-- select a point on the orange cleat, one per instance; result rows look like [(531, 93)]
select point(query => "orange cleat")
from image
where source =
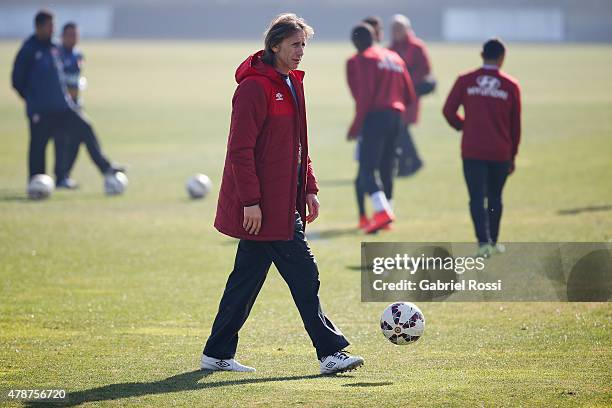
[(379, 221), (363, 221)]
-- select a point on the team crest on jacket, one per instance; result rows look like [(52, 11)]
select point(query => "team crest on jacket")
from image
[(387, 63), (488, 82), (279, 96), (488, 86)]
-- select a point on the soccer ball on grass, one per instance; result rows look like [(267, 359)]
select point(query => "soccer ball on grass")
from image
[(402, 323), (40, 187), (198, 186), (115, 183)]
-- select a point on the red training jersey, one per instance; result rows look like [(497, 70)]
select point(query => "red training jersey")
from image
[(491, 102), (378, 80), (414, 53)]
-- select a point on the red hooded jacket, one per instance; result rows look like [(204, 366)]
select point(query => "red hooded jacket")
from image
[(378, 80), (266, 131), (414, 53)]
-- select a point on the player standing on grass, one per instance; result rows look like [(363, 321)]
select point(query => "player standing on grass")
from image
[(268, 192), (491, 128), (414, 53), (38, 77), (72, 60), (382, 90), (377, 26)]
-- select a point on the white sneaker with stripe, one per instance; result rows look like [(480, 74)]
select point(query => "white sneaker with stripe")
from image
[(340, 362), (215, 364)]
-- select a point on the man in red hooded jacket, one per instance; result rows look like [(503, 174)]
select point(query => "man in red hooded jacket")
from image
[(414, 53), (268, 187)]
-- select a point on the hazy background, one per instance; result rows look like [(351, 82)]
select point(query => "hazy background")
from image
[(439, 20), (113, 298)]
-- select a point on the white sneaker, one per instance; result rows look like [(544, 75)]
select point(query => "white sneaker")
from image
[(210, 363), (498, 249), (340, 362), (484, 251)]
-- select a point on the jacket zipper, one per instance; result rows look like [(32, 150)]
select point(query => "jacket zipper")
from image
[(293, 196)]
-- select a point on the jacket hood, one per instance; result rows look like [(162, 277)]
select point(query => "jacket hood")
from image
[(409, 38), (254, 66)]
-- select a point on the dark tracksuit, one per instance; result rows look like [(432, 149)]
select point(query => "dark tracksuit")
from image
[(39, 79), (409, 160), (296, 264), (376, 150), (485, 180), (71, 60)]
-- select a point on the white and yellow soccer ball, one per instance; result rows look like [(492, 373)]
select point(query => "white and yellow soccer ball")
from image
[(198, 186), (40, 187), (402, 323), (115, 183)]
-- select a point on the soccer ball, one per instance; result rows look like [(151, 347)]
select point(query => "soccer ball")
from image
[(41, 186), (115, 184), (198, 186), (402, 323)]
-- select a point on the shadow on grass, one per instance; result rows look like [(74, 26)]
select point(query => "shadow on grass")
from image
[(369, 384), (181, 382), (17, 196), (332, 233), (313, 235), (575, 211), (13, 195)]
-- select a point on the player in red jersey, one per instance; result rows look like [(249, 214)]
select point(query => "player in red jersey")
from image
[(414, 53), (491, 127), (377, 28), (382, 89)]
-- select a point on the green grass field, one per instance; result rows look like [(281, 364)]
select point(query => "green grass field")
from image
[(113, 298)]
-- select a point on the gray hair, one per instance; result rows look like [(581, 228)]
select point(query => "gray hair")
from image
[(283, 26), (401, 19)]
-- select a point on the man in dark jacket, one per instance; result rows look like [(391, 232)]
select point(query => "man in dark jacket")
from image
[(268, 187), (38, 78)]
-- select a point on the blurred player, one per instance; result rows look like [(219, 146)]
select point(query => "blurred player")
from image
[(268, 187), (414, 53), (38, 78), (491, 128), (377, 26), (72, 59), (382, 89)]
